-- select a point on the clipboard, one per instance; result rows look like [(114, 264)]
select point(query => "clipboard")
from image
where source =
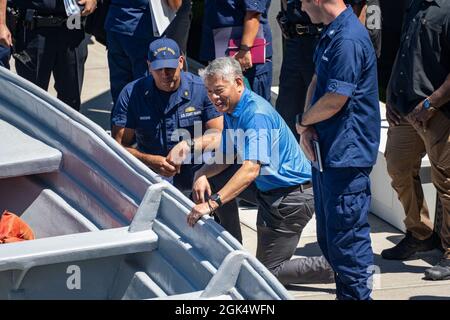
[(227, 39), (162, 16), (72, 7), (258, 50), (318, 163)]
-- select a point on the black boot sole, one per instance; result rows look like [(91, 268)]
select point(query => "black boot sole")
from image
[(412, 255), (437, 279)]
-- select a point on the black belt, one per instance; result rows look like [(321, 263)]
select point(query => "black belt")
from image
[(302, 30), (48, 22), (33, 19), (290, 189)]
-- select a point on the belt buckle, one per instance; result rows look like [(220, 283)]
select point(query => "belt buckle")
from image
[(301, 30)]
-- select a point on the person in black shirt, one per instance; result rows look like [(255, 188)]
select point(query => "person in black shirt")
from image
[(418, 112)]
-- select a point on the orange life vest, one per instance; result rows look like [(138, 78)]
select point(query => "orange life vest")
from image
[(13, 229)]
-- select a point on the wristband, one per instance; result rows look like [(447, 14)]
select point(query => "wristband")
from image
[(244, 47)]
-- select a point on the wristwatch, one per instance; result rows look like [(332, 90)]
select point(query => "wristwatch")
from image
[(216, 197), (298, 120), (427, 105), (244, 47)]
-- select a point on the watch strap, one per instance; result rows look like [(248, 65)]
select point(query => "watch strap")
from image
[(244, 47), (216, 197)]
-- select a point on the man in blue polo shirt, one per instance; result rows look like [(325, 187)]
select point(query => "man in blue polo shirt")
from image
[(273, 173), (342, 114), (250, 15), (162, 108)]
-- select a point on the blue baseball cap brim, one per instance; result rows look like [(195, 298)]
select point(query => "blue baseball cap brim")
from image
[(164, 63)]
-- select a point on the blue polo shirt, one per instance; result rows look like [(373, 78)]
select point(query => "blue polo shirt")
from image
[(130, 17), (230, 13), (155, 115), (255, 131), (346, 64)]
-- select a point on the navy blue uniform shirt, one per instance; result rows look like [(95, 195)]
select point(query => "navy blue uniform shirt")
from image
[(130, 17), (346, 64), (229, 13), (144, 108)]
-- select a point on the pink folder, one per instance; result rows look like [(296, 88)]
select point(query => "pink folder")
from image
[(258, 50)]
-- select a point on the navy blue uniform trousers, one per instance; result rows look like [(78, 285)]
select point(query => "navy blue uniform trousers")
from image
[(5, 54), (260, 79), (342, 201), (56, 50), (127, 60), (296, 73)]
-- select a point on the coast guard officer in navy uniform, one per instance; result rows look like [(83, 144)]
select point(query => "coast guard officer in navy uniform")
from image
[(343, 115), (156, 108)]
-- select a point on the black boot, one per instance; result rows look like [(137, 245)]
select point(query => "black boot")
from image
[(305, 270), (441, 271), (438, 242), (407, 247)]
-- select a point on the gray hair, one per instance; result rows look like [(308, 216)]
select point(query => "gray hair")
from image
[(227, 68)]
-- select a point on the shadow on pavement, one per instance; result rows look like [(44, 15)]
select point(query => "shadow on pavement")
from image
[(429, 298), (304, 288), (98, 109)]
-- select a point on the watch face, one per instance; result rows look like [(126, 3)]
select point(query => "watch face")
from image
[(215, 197), (426, 104)]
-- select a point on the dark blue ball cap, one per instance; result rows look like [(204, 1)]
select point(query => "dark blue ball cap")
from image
[(163, 53)]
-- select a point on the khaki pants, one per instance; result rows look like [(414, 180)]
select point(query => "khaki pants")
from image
[(406, 146)]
